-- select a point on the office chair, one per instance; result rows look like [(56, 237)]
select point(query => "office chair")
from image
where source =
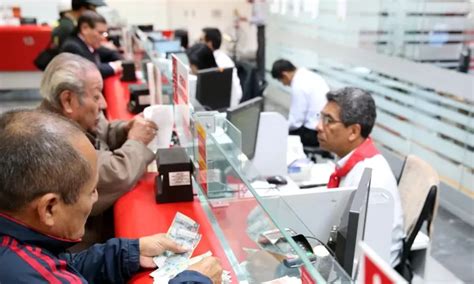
[(252, 86), (418, 187)]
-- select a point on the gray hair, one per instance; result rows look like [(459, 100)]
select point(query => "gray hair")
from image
[(357, 107), (66, 71), (37, 158)]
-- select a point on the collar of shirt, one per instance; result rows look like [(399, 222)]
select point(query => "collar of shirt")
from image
[(341, 162), (91, 49), (23, 233)]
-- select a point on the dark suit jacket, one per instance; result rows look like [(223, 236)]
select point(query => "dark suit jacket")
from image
[(101, 56)]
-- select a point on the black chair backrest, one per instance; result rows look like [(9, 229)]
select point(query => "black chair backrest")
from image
[(404, 267), (425, 215), (251, 85)]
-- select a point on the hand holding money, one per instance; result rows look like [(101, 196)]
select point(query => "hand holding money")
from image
[(156, 245), (210, 267)]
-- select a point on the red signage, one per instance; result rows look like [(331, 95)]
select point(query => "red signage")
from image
[(306, 277), (375, 270)]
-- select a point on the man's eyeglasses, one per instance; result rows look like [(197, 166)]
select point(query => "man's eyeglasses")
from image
[(327, 119)]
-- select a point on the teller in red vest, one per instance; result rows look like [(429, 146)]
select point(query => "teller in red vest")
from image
[(345, 124)]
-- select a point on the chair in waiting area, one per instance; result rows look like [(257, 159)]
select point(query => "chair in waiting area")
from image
[(418, 186)]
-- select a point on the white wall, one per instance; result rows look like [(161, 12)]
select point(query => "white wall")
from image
[(42, 10), (192, 15)]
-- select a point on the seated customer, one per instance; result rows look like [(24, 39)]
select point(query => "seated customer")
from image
[(201, 57), (91, 32), (48, 178), (212, 37), (72, 87), (308, 91), (344, 128)]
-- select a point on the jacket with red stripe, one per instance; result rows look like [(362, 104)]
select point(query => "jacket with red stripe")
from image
[(27, 256)]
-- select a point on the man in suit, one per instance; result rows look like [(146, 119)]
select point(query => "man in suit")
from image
[(91, 32)]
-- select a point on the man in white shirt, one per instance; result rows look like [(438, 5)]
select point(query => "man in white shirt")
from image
[(212, 37), (308, 91), (345, 124)]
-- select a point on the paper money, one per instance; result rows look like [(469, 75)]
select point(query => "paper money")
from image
[(184, 231), (164, 274)]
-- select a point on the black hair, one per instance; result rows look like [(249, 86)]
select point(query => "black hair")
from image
[(214, 36), (201, 56), (280, 66), (357, 107), (90, 18)]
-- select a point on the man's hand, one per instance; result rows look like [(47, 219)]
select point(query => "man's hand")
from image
[(142, 130), (210, 267), (117, 66), (155, 245)]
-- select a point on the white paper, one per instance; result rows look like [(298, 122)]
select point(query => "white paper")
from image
[(163, 116)]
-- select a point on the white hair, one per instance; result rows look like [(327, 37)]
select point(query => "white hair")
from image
[(65, 72)]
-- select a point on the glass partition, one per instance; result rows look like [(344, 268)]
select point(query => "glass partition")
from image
[(244, 213)]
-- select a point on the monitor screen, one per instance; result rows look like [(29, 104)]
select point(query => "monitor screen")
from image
[(246, 118), (166, 46), (352, 228), (213, 88)]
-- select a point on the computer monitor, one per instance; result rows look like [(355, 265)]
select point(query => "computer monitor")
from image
[(213, 88), (246, 118), (163, 45), (352, 227)]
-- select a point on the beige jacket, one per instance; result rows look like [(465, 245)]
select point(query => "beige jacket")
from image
[(121, 162)]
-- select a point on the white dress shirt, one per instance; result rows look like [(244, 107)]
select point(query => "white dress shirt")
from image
[(308, 97), (224, 61), (382, 177)]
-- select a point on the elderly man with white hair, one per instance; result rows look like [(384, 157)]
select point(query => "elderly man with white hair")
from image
[(72, 87)]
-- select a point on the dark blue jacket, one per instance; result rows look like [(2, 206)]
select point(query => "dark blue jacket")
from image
[(100, 57), (27, 256)]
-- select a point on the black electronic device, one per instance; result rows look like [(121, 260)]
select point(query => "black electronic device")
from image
[(213, 88), (139, 97), (352, 228), (246, 117), (305, 246), (277, 180), (27, 21), (146, 28), (173, 183), (128, 74)]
